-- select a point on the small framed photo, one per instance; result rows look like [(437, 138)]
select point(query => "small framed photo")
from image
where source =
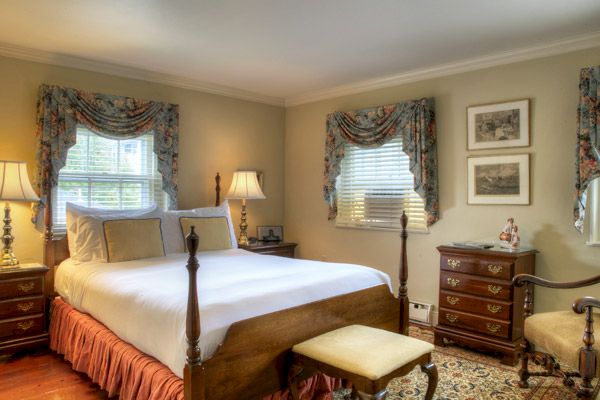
[(502, 179), (269, 233), (500, 125)]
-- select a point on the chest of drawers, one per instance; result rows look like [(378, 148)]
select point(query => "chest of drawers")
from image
[(282, 249), (478, 307), (22, 308)]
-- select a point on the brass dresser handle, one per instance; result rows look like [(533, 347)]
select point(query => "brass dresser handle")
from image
[(25, 325), (494, 289), (453, 282), (452, 318), (494, 328), (453, 263), (494, 308), (452, 300), (495, 269), (25, 306), (26, 287)]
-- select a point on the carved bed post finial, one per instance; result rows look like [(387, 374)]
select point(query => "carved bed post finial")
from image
[(218, 190), (403, 277)]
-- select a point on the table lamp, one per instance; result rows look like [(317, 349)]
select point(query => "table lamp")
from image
[(14, 186), (245, 187)]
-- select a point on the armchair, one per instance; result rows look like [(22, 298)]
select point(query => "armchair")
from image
[(563, 336)]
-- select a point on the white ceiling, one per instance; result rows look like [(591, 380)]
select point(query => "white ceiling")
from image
[(286, 49)]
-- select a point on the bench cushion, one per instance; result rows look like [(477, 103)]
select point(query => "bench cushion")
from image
[(362, 350)]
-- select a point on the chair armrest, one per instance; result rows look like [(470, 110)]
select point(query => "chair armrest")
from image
[(580, 304), (522, 279)]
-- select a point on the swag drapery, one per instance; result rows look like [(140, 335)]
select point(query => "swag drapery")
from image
[(373, 127), (587, 166), (61, 109)]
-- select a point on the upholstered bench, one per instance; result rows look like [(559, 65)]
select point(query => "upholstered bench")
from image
[(368, 357)]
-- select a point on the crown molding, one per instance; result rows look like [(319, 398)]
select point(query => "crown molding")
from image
[(523, 54), (40, 56)]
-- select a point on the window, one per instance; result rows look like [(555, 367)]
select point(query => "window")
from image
[(594, 213), (107, 173), (374, 187)]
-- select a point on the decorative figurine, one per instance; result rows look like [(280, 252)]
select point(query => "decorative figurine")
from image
[(515, 239), (509, 237), (506, 233)]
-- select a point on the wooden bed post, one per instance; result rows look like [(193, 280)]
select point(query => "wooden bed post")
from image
[(218, 190), (193, 373), (403, 276)]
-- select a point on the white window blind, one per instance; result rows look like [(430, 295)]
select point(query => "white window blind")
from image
[(374, 187), (594, 212), (110, 174)]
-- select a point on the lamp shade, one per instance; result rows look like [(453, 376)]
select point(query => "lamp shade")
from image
[(14, 182), (245, 186)]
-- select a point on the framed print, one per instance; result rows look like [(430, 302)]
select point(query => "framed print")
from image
[(502, 179), (269, 233), (500, 125)]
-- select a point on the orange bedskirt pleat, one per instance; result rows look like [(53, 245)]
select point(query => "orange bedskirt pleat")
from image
[(121, 369)]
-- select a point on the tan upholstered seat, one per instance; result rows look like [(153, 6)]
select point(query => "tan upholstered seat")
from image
[(369, 352), (566, 338)]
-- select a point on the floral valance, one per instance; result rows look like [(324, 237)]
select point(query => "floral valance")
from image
[(587, 166), (373, 127), (61, 109)]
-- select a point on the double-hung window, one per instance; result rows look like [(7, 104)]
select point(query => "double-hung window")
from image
[(375, 186), (105, 173), (594, 213)]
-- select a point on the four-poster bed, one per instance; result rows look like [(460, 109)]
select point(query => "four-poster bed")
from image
[(251, 362)]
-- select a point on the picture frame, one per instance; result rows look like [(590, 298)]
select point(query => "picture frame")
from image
[(498, 125), (498, 179), (269, 233)]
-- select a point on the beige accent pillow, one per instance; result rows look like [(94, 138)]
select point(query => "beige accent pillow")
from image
[(213, 232), (132, 239)]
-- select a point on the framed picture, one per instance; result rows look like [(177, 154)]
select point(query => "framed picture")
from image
[(502, 179), (500, 125), (269, 233)]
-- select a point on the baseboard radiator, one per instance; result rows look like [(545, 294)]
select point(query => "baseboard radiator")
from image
[(420, 312)]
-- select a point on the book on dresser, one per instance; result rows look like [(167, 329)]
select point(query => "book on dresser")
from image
[(478, 306)]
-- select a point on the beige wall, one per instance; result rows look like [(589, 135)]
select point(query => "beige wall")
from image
[(552, 86), (216, 134)]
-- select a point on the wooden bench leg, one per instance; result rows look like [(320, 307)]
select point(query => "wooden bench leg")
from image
[(432, 374), (364, 396), (293, 378)]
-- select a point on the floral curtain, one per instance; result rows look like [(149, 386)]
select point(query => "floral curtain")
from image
[(587, 166), (61, 109), (373, 127)]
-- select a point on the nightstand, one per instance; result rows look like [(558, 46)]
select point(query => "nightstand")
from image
[(283, 249), (22, 307)]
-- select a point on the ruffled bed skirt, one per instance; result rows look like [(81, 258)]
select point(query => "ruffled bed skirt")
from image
[(121, 369)]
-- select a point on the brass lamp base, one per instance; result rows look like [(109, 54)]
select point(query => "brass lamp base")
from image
[(243, 239), (8, 257)]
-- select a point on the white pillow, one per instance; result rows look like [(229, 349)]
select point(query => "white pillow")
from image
[(90, 243), (74, 211), (174, 238)]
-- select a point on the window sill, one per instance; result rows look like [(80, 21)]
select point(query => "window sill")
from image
[(375, 228), (593, 244)]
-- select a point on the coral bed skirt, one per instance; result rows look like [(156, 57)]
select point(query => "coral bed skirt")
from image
[(121, 369)]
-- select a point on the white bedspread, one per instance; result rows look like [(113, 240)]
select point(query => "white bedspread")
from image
[(144, 301)]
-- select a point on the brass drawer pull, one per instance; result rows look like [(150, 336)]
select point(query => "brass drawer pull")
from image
[(451, 318), (494, 328), (452, 300), (495, 269), (494, 289), (453, 282), (25, 325), (26, 287), (25, 306), (494, 308), (453, 263)]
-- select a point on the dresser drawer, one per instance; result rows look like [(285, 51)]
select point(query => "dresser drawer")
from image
[(492, 268), (22, 326), (21, 287), (21, 306), (477, 305), (475, 285), (475, 323)]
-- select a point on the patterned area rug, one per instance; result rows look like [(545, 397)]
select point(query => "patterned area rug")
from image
[(468, 375)]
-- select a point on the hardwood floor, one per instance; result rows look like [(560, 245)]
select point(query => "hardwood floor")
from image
[(44, 375)]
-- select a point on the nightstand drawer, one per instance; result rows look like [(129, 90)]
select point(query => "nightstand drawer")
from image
[(477, 305), (22, 326), (473, 285), (21, 306), (21, 287), (476, 323)]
